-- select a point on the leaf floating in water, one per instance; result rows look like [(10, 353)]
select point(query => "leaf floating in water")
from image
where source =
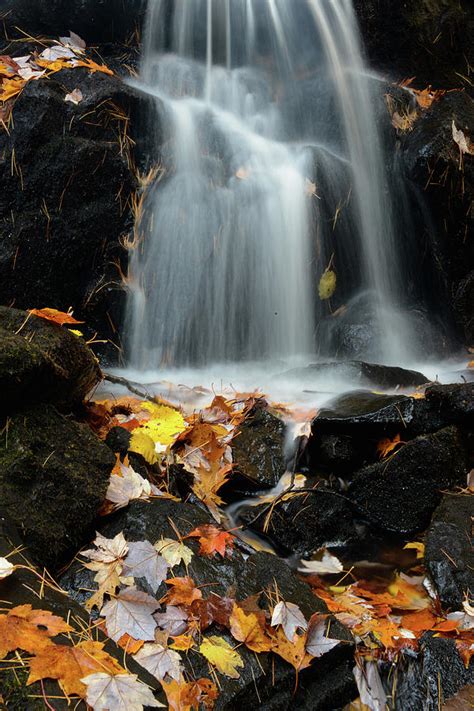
[(327, 284), (328, 565)]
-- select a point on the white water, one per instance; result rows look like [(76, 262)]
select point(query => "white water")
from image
[(254, 98)]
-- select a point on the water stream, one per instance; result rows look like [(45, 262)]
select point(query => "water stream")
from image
[(265, 118)]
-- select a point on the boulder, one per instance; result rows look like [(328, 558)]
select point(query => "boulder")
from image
[(97, 21), (65, 211), (266, 682), (304, 523), (357, 373), (456, 402), (41, 361), (400, 493), (449, 556), (258, 448), (53, 477)]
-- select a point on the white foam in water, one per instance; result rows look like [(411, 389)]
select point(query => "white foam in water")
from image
[(258, 102)]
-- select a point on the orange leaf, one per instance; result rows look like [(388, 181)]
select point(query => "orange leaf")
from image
[(383, 629), (419, 621), (71, 664), (59, 317), (183, 592), (183, 642), (212, 539), (11, 87), (184, 696), (247, 628), (385, 446), (465, 648), (93, 66), (28, 629), (292, 652)]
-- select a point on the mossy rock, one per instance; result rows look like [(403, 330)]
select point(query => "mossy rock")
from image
[(53, 479), (41, 361)]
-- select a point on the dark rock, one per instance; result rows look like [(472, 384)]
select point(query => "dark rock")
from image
[(118, 439), (426, 680), (267, 683), (364, 408), (95, 20), (42, 362), (26, 587), (427, 39), (334, 453), (53, 478), (449, 556), (304, 523), (358, 373), (432, 165), (258, 449), (456, 402), (401, 493), (65, 211)]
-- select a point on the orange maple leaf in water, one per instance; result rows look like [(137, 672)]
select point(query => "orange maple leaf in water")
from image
[(212, 539), (59, 317)]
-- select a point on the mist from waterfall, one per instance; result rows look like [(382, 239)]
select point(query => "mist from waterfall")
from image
[(264, 114)]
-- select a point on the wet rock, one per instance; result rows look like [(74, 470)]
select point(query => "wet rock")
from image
[(455, 401), (364, 408), (431, 161), (42, 362), (304, 523), (64, 210), (95, 20), (401, 493), (118, 439), (357, 373), (449, 556), (53, 477), (426, 680), (429, 39), (258, 449), (25, 587)]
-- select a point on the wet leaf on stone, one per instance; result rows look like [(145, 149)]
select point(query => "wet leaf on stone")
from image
[(221, 655), (318, 640), (6, 568), (212, 539), (183, 592), (290, 617), (248, 628), (160, 661), (144, 561), (174, 620), (122, 692), (131, 612), (174, 552)]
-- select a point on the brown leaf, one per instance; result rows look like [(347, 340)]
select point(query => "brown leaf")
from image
[(29, 630), (183, 592), (214, 609), (59, 317), (247, 628)]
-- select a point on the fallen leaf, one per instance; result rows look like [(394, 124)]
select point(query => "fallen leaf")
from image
[(183, 642), (188, 696), (327, 565), (74, 97), (73, 41), (370, 686), (247, 628), (183, 591), (131, 612), (292, 652), (174, 552), (213, 609), (385, 446), (290, 617), (122, 692), (29, 630), (418, 547), (212, 539), (318, 641), (70, 664), (143, 561), (160, 661), (327, 284), (465, 145), (107, 562), (221, 655), (93, 66), (59, 317), (6, 568), (127, 486), (174, 620), (142, 443)]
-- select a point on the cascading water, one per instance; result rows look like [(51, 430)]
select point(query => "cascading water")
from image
[(267, 135)]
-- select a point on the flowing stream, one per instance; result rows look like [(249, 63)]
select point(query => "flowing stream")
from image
[(264, 115)]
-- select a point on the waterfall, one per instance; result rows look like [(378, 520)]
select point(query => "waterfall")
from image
[(267, 133)]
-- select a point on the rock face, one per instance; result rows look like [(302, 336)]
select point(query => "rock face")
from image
[(42, 362), (53, 478), (97, 21), (258, 449), (429, 38), (449, 557), (65, 209), (400, 494), (357, 372)]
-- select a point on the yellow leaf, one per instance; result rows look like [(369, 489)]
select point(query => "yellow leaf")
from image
[(327, 284), (419, 547), (93, 66), (10, 88), (166, 423), (220, 654), (142, 443)]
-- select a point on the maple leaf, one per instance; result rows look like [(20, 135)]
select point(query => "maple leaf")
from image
[(122, 692), (69, 664), (6, 568), (385, 446), (213, 609), (212, 539), (143, 561), (126, 486), (174, 620), (107, 563), (370, 686), (183, 642), (247, 628), (318, 642), (131, 612), (28, 629), (174, 552), (327, 564), (92, 66), (292, 652), (221, 655), (419, 621), (184, 696), (183, 591), (160, 661), (290, 617), (59, 317)]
